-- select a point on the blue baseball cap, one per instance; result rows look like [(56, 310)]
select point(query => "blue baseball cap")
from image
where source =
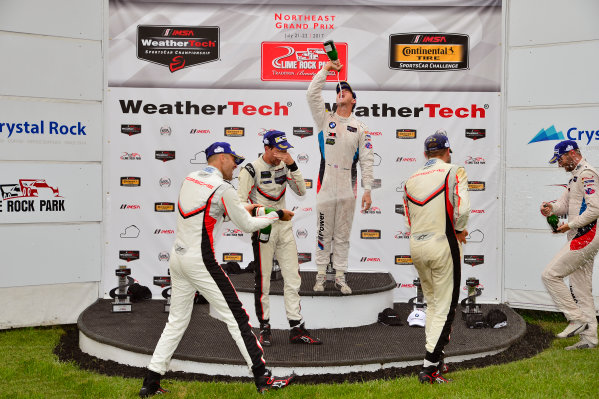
[(562, 148), (344, 85), (437, 141), (220, 147), (276, 138)]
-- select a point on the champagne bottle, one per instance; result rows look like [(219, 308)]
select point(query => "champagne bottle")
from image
[(553, 222), (264, 234), (329, 48)]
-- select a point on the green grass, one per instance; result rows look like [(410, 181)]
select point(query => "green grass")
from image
[(29, 369)]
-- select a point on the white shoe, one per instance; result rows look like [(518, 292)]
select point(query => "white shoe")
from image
[(320, 280), (574, 328), (582, 344), (341, 285)]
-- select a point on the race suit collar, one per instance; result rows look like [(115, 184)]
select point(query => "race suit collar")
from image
[(213, 170)]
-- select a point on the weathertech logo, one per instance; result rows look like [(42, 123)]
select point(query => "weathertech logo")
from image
[(399, 208), (130, 181), (232, 257), (131, 129), (298, 61), (128, 255), (403, 260), (165, 155), (476, 134), (474, 260), (177, 47), (405, 133), (234, 131), (303, 131), (366, 259), (164, 207), (476, 186), (163, 231), (370, 234), (428, 51), (303, 257), (130, 206)]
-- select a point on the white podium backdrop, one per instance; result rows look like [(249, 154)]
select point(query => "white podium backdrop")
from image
[(144, 121)]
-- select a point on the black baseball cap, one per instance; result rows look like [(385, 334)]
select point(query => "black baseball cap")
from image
[(343, 85)]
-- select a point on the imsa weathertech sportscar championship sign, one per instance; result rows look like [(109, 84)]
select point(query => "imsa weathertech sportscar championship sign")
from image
[(177, 47)]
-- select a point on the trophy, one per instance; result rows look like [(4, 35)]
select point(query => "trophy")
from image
[(330, 270), (122, 301), (471, 312), (164, 282), (275, 274), (417, 302)]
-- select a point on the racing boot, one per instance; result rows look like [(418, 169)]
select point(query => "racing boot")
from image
[(432, 375), (151, 385), (265, 335), (574, 328), (582, 344), (341, 285), (267, 382), (321, 279), (299, 335)]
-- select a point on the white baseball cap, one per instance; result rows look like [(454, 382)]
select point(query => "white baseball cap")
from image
[(417, 318)]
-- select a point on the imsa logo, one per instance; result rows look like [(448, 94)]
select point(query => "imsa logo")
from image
[(476, 185), (430, 51), (234, 131), (130, 181), (403, 260), (164, 207), (367, 259), (232, 257), (370, 234), (474, 260), (405, 133)]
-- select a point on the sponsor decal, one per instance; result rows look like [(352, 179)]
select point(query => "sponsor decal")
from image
[(304, 21), (165, 131), (477, 211), (406, 285), (232, 233), (130, 232), (573, 133), (130, 181), (303, 158), (376, 183), (399, 208), (40, 128), (164, 182), (303, 257), (298, 61), (475, 161), (306, 209), (130, 130), (403, 260), (232, 257), (199, 131), (474, 260), (128, 207), (164, 256), (31, 195), (375, 133), (476, 185), (370, 234), (402, 235), (367, 259), (165, 155), (375, 210), (308, 183), (405, 159), (234, 131), (130, 156), (428, 51), (546, 135), (189, 108), (475, 236), (301, 233), (303, 131), (405, 133), (128, 255), (178, 47), (589, 191), (164, 231), (164, 207), (476, 134)]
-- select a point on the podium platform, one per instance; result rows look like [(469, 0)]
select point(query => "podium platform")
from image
[(208, 349)]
